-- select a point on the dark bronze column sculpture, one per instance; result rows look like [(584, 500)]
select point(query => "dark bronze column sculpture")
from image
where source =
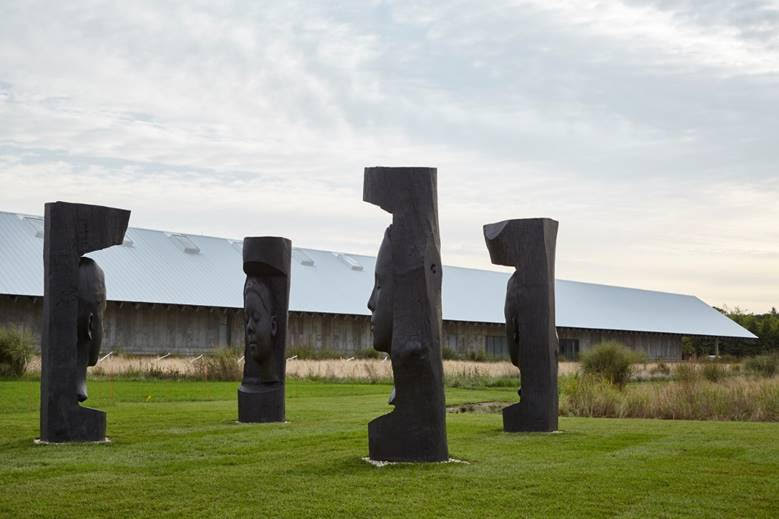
[(406, 315), (73, 305), (266, 262), (529, 246)]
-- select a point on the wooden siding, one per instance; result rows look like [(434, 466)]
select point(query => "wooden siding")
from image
[(185, 330)]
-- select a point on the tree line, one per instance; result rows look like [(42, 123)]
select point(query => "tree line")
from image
[(765, 326)]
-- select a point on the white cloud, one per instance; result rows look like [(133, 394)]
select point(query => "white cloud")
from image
[(647, 129)]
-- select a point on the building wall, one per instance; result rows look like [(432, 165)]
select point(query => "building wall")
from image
[(159, 329), (186, 330), (656, 346), (24, 313)]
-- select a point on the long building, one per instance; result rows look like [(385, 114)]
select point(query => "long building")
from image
[(183, 294)]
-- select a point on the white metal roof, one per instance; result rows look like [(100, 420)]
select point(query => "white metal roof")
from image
[(170, 268)]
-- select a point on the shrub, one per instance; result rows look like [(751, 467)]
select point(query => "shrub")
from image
[(220, 364), (610, 360), (15, 352), (762, 365), (714, 372)]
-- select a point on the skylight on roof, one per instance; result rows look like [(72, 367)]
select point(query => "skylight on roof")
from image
[(302, 258), (184, 243), (237, 245), (349, 261), (35, 224)]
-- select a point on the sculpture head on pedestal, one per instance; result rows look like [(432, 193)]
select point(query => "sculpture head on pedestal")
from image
[(91, 306), (261, 326), (382, 298), (267, 264)]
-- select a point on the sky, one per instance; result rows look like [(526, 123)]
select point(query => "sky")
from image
[(648, 129)]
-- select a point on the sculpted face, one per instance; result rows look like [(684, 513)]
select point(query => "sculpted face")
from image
[(91, 306), (261, 325), (511, 311), (382, 299)]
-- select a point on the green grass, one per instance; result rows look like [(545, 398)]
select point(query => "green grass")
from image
[(176, 451)]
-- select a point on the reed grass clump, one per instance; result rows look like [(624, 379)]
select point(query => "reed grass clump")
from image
[(219, 364), (686, 372), (733, 398), (714, 372)]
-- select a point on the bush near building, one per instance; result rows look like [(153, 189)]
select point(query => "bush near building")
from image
[(612, 361), (16, 349)]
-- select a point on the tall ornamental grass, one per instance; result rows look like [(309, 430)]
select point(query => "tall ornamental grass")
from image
[(733, 398), (220, 364), (16, 350)]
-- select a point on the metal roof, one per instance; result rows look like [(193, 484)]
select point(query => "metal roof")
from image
[(173, 268)]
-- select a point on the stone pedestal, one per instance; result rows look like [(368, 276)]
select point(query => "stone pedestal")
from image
[(261, 403)]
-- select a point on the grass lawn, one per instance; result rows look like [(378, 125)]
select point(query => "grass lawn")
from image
[(177, 451)]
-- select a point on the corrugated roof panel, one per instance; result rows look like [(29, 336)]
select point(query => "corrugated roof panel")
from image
[(155, 269), (302, 258)]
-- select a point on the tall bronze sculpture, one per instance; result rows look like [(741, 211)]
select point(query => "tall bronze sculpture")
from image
[(73, 306), (529, 246), (406, 315), (266, 262)]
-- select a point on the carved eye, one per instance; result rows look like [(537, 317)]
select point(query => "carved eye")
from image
[(433, 268)]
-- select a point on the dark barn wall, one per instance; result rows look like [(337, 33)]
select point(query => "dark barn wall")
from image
[(24, 313), (656, 346), (334, 332), (466, 337), (186, 330), (159, 329)]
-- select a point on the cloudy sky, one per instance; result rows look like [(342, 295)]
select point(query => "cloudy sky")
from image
[(650, 130)]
